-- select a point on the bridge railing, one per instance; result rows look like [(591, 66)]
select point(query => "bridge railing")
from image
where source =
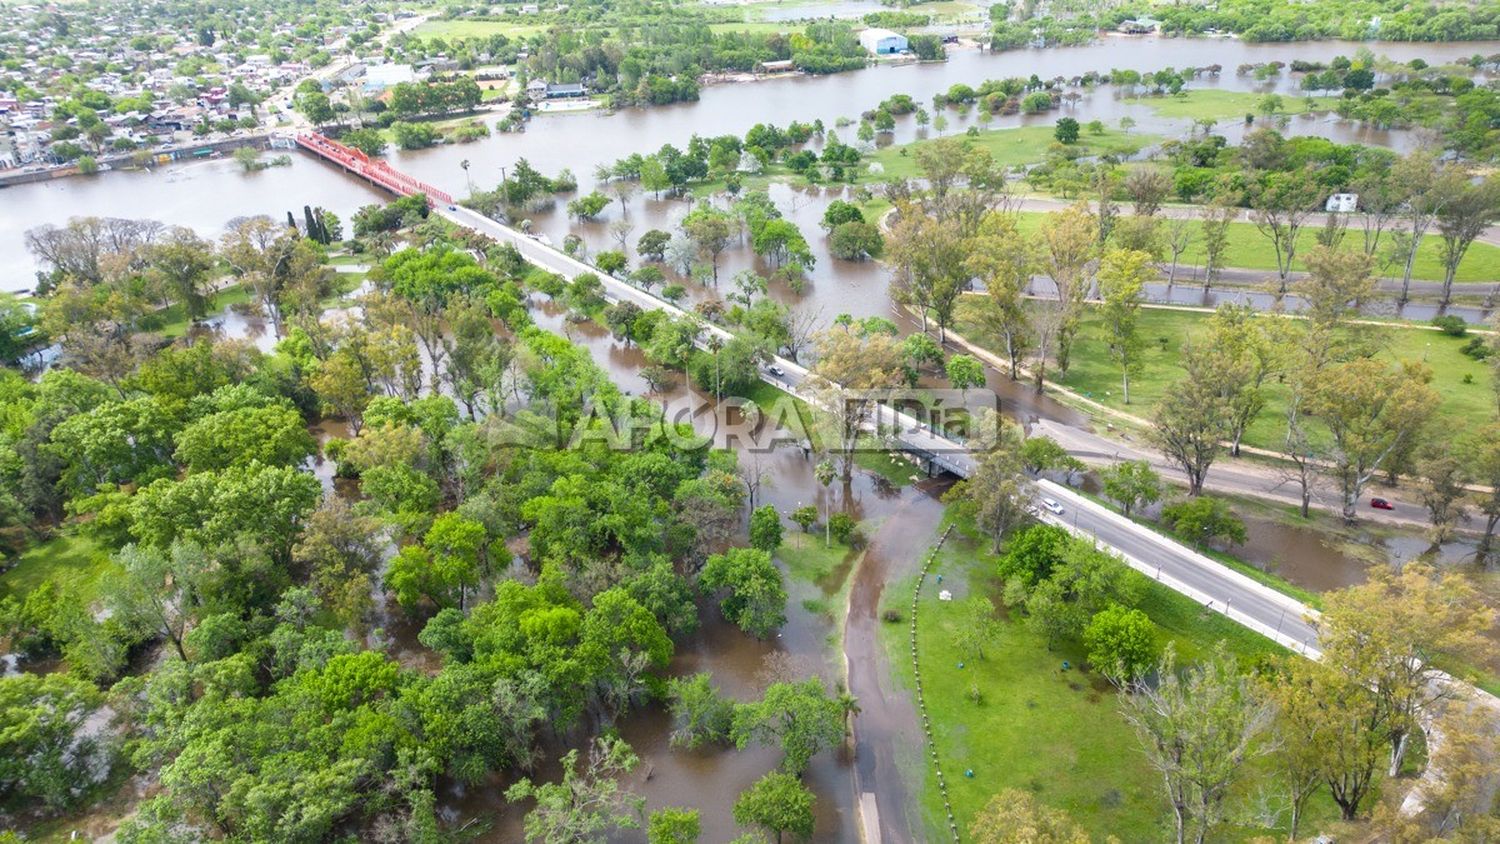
[(375, 170)]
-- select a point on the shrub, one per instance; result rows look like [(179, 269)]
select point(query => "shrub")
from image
[(1453, 326), (841, 525)]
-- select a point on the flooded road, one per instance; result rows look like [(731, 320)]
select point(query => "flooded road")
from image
[(208, 194)]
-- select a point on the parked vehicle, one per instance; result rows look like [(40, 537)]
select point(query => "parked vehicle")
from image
[(1052, 506)]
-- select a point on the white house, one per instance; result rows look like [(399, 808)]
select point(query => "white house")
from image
[(379, 77), (882, 42), (1342, 203)]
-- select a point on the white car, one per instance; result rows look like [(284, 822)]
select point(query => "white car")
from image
[(1052, 506), (776, 370)]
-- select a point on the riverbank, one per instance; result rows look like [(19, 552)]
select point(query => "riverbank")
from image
[(141, 159)]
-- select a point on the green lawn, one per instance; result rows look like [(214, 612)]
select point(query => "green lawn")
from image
[(450, 29), (1216, 104), (807, 559), (1247, 248), (1015, 147), (756, 27), (1095, 375), (74, 561), (174, 322), (1055, 732)]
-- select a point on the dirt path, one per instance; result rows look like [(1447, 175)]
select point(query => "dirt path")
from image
[(886, 730)]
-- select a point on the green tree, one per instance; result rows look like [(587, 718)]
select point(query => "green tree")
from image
[(1066, 131), (1122, 278), (1387, 635), (47, 753), (263, 504), (1198, 730), (315, 106), (856, 241), (964, 372), (340, 550), (1464, 213), (779, 804), (272, 435), (368, 141), (588, 207), (1371, 412), (1202, 520), (754, 595), (976, 626), (710, 231), (1031, 554), (1132, 484), (1190, 424), (673, 825), (765, 529), (588, 803), (1121, 643), (801, 718), (652, 245), (700, 715), (161, 589), (839, 212), (998, 490)]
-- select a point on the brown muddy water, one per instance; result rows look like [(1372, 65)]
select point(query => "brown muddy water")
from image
[(206, 195)]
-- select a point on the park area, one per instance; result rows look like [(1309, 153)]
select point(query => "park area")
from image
[(1219, 105), (1044, 722), (1465, 385), (1246, 248), (1016, 147)]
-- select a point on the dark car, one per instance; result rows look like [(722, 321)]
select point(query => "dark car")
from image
[(1381, 504)]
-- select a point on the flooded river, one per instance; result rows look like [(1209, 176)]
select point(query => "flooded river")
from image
[(206, 195)]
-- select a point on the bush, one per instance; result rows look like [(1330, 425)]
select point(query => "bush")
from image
[(1477, 349), (891, 616), (1453, 326), (1202, 519), (855, 241), (841, 526)]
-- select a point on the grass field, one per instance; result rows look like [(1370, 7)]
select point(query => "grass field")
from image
[(1040, 728), (1095, 375), (174, 321), (74, 561), (1248, 249), (1216, 104), (450, 29), (756, 27), (1015, 147)]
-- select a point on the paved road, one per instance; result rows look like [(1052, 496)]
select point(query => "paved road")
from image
[(1314, 221)]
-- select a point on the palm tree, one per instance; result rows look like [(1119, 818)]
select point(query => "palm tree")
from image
[(715, 343), (825, 473)]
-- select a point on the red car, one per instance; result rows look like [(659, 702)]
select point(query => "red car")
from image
[(1381, 504)]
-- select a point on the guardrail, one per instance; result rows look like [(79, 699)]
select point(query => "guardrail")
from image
[(373, 169)]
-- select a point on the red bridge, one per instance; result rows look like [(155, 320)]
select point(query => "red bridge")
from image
[(374, 170)]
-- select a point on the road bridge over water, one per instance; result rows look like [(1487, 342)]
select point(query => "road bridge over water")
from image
[(1212, 584)]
